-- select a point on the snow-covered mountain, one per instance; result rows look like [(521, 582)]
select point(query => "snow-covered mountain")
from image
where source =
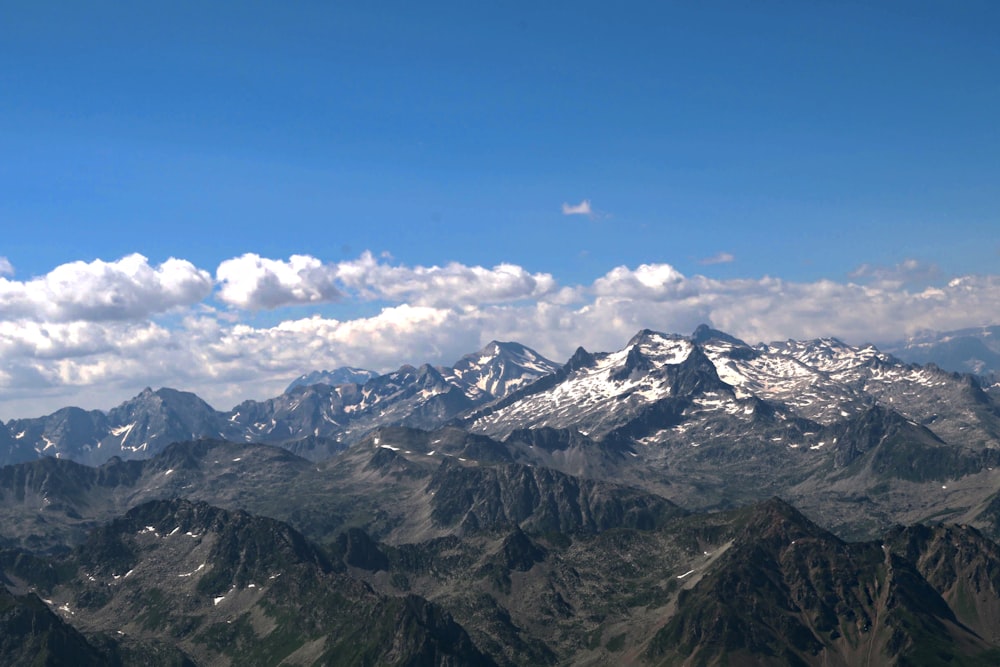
[(595, 393), (498, 369), (505, 478), (708, 390), (666, 389), (424, 397)]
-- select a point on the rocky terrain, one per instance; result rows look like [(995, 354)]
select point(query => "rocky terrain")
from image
[(686, 500)]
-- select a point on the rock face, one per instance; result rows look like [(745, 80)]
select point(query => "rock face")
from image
[(138, 428), (538, 499), (228, 586), (789, 593), (31, 634), (527, 565)]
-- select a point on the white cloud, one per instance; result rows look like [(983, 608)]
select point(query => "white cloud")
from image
[(128, 288), (253, 282), (654, 282), (450, 285), (720, 258), (6, 268), (583, 208)]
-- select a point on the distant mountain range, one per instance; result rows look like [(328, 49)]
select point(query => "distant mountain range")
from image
[(975, 350), (343, 375), (315, 420), (706, 420), (621, 507)]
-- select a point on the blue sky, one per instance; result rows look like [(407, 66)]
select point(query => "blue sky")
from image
[(834, 147)]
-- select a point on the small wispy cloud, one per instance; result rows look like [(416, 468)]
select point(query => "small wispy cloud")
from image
[(720, 258), (583, 208), (6, 268)]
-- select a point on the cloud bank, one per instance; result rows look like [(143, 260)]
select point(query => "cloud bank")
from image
[(89, 331)]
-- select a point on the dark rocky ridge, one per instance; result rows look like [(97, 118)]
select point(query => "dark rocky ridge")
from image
[(262, 594)]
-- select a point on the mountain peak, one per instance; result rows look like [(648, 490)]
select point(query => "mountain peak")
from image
[(705, 333), (499, 368), (496, 349), (338, 376), (647, 336)]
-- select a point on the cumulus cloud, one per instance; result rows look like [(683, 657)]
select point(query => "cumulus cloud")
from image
[(252, 282), (654, 282), (128, 288), (583, 208), (452, 284), (720, 258), (769, 308)]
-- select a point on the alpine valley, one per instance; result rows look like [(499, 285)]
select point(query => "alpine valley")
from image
[(685, 500)]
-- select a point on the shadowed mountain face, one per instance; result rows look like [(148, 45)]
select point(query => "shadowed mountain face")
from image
[(30, 633), (516, 564), (786, 592), (224, 587)]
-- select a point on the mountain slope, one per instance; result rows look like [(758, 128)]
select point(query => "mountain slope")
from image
[(789, 593), (138, 428), (228, 586)]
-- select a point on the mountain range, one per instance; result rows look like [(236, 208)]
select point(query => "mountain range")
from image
[(974, 350), (620, 508), (314, 419)]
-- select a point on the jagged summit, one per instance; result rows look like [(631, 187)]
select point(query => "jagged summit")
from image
[(704, 334), (597, 393), (499, 369)]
